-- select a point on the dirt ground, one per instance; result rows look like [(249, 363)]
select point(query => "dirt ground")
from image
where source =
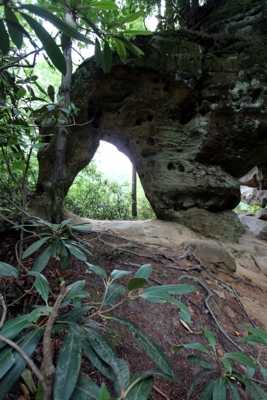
[(128, 245)]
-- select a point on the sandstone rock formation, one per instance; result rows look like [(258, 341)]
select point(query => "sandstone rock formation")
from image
[(190, 114)]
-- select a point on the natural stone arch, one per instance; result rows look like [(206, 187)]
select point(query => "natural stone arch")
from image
[(190, 115)]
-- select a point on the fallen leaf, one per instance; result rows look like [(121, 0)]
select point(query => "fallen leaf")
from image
[(186, 326), (220, 352), (235, 333)]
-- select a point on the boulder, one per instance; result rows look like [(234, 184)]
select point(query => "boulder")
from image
[(224, 226), (212, 254)]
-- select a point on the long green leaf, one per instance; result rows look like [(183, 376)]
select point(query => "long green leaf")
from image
[(76, 252), (15, 34), (227, 364), (117, 273), (197, 379), (102, 347), (8, 270), (136, 283), (210, 337), (35, 246), (48, 43), (6, 360), (41, 285), (207, 392), (115, 292), (122, 374), (240, 358), (95, 359), (257, 392), (200, 361), (141, 389), (68, 367), (168, 289), (90, 323), (85, 389), (97, 270), (219, 390), (121, 50), (104, 5), (4, 42), (131, 17), (29, 344), (134, 49), (196, 346), (70, 317), (233, 392), (152, 349), (161, 297), (107, 58), (57, 22), (12, 327), (144, 271), (42, 260)]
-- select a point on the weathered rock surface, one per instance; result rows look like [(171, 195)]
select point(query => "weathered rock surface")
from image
[(190, 114), (261, 214), (224, 226), (257, 226), (251, 179), (210, 253), (262, 198)]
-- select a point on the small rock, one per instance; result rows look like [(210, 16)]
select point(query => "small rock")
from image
[(250, 179), (257, 226), (262, 198), (210, 253), (262, 214)]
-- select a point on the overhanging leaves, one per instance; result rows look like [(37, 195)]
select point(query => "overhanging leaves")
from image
[(57, 22), (4, 42), (48, 43)]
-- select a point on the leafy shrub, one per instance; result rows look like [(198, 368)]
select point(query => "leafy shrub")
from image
[(82, 333), (225, 378)]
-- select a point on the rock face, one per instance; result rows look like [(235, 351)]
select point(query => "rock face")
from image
[(190, 114)]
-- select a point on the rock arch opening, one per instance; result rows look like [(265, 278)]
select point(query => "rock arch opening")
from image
[(104, 188)]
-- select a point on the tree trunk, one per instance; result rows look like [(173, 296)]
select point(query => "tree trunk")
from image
[(58, 194), (134, 201)]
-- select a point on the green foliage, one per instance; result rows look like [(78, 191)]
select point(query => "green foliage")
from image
[(93, 195), (81, 333), (226, 378), (57, 244)]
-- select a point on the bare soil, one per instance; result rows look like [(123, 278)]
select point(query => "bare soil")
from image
[(231, 308)]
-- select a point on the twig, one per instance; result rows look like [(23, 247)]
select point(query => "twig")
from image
[(48, 368), (210, 310), (28, 360), (160, 392), (201, 264), (234, 291), (3, 304), (17, 348)]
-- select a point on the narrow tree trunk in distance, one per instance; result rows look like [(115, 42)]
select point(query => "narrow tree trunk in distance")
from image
[(58, 193), (134, 201)]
